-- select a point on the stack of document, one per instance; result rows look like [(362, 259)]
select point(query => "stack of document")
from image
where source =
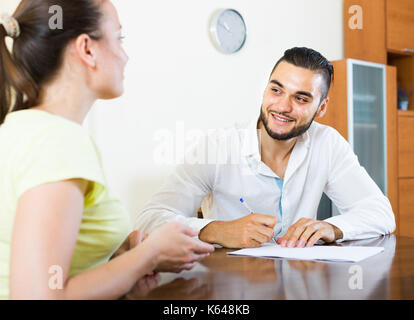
[(324, 253)]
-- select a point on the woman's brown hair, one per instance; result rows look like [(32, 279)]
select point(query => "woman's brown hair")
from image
[(37, 52)]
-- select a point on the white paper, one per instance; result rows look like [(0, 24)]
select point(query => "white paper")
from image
[(326, 253)]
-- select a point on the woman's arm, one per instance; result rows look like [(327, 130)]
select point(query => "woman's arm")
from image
[(45, 231)]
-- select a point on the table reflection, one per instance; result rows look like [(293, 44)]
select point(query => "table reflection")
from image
[(220, 276)]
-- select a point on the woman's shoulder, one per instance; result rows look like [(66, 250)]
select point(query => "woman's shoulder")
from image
[(30, 134), (33, 121), (35, 129)]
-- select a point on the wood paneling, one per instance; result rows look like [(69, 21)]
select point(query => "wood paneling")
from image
[(406, 147), (406, 207), (368, 43), (406, 113), (400, 24), (392, 138), (336, 115)]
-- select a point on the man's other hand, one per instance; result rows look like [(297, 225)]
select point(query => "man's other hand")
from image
[(306, 232)]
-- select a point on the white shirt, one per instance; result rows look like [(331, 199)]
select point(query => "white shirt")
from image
[(227, 166)]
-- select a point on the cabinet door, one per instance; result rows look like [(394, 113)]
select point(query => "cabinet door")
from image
[(400, 25), (406, 147), (406, 218), (367, 120)]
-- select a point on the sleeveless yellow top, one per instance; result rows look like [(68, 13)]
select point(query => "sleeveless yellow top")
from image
[(37, 147)]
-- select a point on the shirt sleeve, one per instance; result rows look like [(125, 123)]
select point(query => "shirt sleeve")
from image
[(365, 211), (182, 193), (60, 153)]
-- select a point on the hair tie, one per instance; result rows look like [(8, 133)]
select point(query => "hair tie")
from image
[(10, 25)]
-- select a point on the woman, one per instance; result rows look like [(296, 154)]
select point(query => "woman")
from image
[(59, 226)]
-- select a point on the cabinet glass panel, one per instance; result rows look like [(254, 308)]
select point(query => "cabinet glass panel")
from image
[(368, 125)]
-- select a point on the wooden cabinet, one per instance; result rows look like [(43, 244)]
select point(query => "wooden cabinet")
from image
[(400, 25), (406, 173), (388, 30), (367, 43), (386, 36), (406, 147), (406, 225)]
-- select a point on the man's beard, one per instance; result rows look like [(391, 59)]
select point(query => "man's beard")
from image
[(295, 132)]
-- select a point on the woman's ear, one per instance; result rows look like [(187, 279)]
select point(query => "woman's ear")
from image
[(85, 49)]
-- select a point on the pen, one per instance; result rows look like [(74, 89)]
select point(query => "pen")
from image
[(245, 205), (251, 211)]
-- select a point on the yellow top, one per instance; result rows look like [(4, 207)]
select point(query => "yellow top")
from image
[(37, 147)]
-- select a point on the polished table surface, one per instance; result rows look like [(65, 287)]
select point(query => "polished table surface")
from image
[(387, 275)]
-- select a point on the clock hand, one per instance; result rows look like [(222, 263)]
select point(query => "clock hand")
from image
[(226, 28)]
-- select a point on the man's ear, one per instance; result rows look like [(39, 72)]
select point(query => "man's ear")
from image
[(85, 50), (323, 108)]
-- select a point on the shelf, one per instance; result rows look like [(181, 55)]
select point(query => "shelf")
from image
[(398, 54), (366, 126), (407, 113), (367, 98)]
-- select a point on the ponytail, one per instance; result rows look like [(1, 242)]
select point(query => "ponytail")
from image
[(17, 89), (38, 50), (4, 87)]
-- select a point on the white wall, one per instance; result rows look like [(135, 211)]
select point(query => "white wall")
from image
[(175, 75), (8, 6)]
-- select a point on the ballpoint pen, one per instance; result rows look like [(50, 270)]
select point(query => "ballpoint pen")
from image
[(251, 211)]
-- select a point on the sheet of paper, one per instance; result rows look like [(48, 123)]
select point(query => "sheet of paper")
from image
[(325, 253)]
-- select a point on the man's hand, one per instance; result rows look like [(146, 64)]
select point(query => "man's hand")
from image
[(247, 232), (305, 232)]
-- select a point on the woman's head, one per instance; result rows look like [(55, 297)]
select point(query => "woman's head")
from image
[(89, 42)]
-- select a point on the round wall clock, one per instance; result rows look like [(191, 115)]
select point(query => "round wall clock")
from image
[(228, 31)]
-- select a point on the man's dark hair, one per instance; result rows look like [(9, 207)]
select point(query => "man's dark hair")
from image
[(310, 59)]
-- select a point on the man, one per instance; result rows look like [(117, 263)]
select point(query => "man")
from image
[(280, 165)]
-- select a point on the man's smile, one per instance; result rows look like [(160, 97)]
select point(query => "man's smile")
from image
[(279, 119)]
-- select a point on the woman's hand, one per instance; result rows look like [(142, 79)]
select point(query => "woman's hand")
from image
[(133, 239), (175, 248)]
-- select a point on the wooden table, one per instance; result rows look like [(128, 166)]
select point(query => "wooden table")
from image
[(388, 275)]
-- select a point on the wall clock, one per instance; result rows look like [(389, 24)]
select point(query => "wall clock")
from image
[(228, 31)]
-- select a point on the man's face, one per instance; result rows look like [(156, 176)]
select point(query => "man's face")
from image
[(291, 101)]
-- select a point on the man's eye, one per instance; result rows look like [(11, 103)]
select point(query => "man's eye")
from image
[(276, 90), (300, 99)]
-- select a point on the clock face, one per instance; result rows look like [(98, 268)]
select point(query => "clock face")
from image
[(228, 31)]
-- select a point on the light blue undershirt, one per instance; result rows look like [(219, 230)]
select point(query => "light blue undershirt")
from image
[(279, 183)]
